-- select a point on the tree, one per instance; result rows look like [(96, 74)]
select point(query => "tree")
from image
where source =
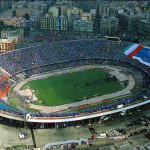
[(8, 26), (26, 31), (1, 22), (26, 16), (97, 21)]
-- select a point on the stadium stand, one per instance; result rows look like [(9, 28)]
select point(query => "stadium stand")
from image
[(47, 57)]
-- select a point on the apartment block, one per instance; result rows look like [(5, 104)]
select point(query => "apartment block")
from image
[(18, 34), (53, 23), (83, 26), (7, 44), (109, 25), (16, 22)]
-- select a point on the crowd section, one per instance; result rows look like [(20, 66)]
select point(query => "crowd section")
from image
[(47, 57), (36, 56)]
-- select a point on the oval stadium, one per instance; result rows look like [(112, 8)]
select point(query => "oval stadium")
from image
[(70, 81)]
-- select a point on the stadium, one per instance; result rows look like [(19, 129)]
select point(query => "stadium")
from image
[(71, 59)]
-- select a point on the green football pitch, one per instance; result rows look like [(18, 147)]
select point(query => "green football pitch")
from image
[(72, 87)]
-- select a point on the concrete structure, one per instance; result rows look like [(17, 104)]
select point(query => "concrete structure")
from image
[(16, 22), (5, 5), (22, 11), (7, 44), (6, 14), (128, 10), (130, 23), (53, 12), (18, 5), (83, 26), (63, 23), (114, 11), (17, 33), (74, 14), (34, 21), (93, 12), (38, 5), (77, 11), (86, 16), (69, 118), (19, 20), (108, 26), (61, 143), (46, 22), (104, 9), (144, 28), (63, 10), (53, 23)]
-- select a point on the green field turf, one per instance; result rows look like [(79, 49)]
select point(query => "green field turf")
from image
[(71, 87)]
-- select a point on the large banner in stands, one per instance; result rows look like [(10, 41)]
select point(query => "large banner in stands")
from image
[(138, 52)]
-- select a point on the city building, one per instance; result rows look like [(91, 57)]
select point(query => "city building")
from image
[(86, 16), (18, 34), (93, 12), (115, 11), (5, 5), (53, 12), (38, 5), (109, 25), (16, 22), (35, 19), (22, 11), (6, 14), (104, 9), (128, 10), (63, 23), (18, 5), (145, 6), (53, 23), (7, 44), (47, 22), (44, 8), (63, 9), (73, 14), (77, 11), (144, 28), (130, 23), (83, 26)]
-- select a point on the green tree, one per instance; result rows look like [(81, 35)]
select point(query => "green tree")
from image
[(26, 16), (1, 22)]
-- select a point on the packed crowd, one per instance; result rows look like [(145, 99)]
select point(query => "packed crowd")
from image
[(46, 54), (46, 57), (37, 56)]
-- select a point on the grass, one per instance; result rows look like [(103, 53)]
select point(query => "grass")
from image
[(16, 147), (72, 87), (15, 103)]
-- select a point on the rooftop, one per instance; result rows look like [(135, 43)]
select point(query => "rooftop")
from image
[(8, 40)]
